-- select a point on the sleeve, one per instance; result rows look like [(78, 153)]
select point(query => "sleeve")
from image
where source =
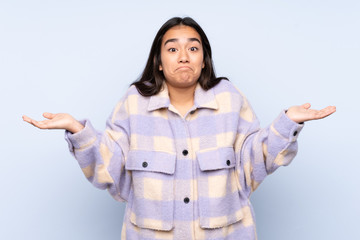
[(101, 155), (262, 150)]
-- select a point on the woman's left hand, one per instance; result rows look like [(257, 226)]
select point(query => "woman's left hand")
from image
[(303, 113)]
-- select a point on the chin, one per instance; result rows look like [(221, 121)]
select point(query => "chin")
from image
[(186, 84), (184, 81)]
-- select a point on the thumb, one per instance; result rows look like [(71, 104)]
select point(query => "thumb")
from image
[(48, 115), (306, 105)]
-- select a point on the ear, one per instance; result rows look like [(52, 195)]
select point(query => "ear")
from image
[(203, 65), (160, 66)]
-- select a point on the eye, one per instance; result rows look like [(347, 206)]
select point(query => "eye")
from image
[(172, 50), (193, 49)]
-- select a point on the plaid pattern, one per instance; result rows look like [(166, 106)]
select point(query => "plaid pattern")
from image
[(185, 177)]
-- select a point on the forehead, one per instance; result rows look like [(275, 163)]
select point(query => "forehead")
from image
[(181, 32)]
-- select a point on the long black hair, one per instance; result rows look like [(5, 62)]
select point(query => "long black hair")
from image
[(151, 80)]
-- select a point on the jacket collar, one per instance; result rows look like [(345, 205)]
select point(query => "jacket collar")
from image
[(202, 99)]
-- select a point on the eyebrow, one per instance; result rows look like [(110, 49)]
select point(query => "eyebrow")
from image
[(176, 40)]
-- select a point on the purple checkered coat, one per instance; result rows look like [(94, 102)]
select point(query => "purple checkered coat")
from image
[(185, 177)]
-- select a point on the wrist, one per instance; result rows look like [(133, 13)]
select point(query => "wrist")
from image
[(291, 118), (75, 126)]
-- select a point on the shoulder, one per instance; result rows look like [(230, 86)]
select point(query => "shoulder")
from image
[(132, 95), (129, 103), (230, 98), (227, 88), (132, 92)]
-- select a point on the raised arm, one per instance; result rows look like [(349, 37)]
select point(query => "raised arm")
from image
[(101, 155), (265, 149)]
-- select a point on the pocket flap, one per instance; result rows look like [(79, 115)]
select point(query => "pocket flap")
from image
[(218, 158), (152, 161)]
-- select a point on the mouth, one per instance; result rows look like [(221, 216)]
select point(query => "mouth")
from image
[(184, 68)]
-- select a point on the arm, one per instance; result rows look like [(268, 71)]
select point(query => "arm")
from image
[(264, 150), (101, 156)]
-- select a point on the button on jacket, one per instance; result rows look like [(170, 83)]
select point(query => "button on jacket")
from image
[(185, 177)]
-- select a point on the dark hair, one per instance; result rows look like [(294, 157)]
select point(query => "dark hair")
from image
[(152, 78)]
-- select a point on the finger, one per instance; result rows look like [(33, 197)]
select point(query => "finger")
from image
[(26, 118), (30, 120), (48, 115), (329, 110), (39, 124), (45, 124), (325, 112)]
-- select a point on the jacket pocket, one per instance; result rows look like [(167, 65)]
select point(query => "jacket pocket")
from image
[(152, 204), (219, 201)]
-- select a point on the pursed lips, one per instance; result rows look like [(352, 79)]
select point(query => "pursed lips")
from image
[(183, 68)]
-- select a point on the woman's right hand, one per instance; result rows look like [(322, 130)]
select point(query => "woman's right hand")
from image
[(56, 121)]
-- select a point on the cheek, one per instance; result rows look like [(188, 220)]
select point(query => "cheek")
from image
[(201, 65), (199, 60), (166, 69), (165, 62)]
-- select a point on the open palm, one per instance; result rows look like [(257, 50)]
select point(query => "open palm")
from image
[(303, 113), (56, 121)]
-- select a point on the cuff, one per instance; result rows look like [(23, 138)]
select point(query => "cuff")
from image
[(287, 127), (81, 139)]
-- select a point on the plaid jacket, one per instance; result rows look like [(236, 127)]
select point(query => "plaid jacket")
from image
[(185, 177)]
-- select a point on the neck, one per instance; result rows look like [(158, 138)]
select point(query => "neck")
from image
[(181, 95), (181, 98)]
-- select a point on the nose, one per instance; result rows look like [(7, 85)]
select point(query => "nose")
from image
[(183, 56)]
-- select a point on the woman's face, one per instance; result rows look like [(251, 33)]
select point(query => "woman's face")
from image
[(181, 56)]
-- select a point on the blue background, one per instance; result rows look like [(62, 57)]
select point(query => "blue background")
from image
[(79, 57)]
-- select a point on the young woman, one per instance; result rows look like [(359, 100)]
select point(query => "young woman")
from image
[(183, 148)]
